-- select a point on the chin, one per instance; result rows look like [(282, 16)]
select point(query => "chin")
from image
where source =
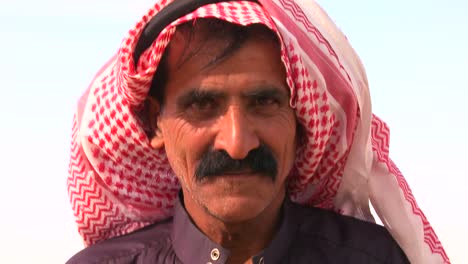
[(237, 208), (237, 200)]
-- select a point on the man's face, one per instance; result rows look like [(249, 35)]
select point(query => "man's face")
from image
[(214, 116)]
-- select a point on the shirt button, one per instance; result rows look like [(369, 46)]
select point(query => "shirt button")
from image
[(215, 254)]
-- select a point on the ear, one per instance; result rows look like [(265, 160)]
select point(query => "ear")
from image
[(157, 141)]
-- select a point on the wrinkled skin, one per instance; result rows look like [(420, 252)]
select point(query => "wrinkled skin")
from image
[(234, 105)]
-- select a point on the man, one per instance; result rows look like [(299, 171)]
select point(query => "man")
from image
[(252, 117)]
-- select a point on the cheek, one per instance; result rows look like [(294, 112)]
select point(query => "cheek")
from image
[(279, 133), (281, 128), (290, 134), (183, 144), (173, 133)]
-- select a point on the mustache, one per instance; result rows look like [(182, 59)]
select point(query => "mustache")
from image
[(218, 162)]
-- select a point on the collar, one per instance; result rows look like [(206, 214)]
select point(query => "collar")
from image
[(192, 246)]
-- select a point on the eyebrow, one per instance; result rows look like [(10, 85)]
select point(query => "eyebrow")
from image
[(267, 91), (198, 94)]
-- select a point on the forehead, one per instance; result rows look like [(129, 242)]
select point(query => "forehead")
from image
[(215, 65), (232, 50), (214, 39)]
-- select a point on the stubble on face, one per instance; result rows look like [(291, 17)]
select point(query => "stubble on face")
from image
[(234, 93)]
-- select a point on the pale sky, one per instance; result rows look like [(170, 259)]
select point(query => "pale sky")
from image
[(414, 52)]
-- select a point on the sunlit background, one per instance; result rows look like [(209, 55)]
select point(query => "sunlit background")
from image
[(415, 53)]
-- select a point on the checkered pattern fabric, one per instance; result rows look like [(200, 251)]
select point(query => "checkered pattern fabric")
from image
[(117, 183)]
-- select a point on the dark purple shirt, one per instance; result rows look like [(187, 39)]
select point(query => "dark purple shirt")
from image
[(306, 235)]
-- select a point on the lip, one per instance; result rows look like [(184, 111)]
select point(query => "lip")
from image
[(238, 176), (235, 176), (239, 173)]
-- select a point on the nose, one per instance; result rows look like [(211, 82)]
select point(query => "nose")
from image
[(237, 134)]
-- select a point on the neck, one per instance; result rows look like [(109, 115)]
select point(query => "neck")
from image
[(243, 239)]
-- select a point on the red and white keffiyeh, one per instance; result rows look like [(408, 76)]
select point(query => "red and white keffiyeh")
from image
[(117, 183)]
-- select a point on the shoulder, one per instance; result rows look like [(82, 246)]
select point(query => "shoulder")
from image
[(336, 227), (347, 237), (149, 243)]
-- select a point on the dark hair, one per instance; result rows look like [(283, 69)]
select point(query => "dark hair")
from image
[(231, 37)]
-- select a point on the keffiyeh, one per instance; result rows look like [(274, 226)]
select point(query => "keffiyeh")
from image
[(117, 183)]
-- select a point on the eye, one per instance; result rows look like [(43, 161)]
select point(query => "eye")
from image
[(203, 104), (265, 104), (202, 108), (265, 101), (200, 105)]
